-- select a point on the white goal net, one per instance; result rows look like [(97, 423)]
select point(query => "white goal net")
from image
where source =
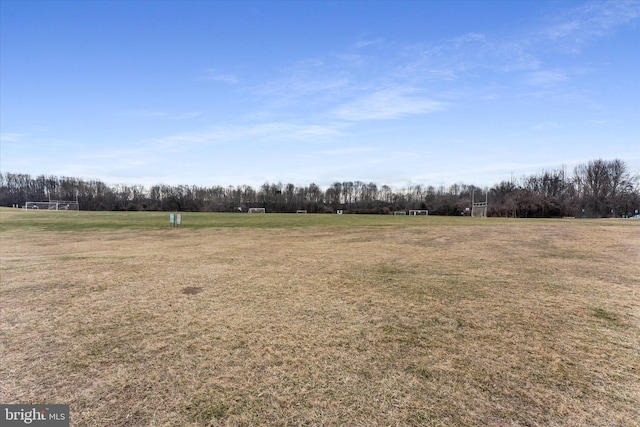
[(418, 212), (53, 205), (479, 210), (256, 210)]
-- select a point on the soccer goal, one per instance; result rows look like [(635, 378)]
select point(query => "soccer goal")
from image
[(54, 205), (479, 209), (417, 212), (400, 212), (256, 210), (301, 211)]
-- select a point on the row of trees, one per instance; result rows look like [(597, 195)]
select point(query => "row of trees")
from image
[(595, 189)]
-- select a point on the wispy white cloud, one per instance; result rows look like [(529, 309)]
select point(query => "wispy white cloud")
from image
[(392, 81), (13, 137), (348, 150), (468, 38), (362, 43), (108, 161), (548, 125), (545, 78), (261, 133), (562, 29), (459, 57), (215, 76), (309, 81), (185, 115), (389, 103), (577, 26), (151, 114)]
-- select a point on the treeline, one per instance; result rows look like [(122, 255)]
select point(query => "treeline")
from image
[(600, 188)]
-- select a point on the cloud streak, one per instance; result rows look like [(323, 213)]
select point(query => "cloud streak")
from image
[(263, 133), (386, 104), (13, 137), (585, 23), (214, 76), (545, 78), (151, 114)]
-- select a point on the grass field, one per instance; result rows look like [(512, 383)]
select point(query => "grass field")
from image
[(351, 320)]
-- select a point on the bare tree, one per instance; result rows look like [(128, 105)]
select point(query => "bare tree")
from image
[(601, 185)]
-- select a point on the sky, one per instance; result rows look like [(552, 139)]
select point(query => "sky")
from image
[(397, 93)]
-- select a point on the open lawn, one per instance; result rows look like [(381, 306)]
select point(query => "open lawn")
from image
[(238, 319)]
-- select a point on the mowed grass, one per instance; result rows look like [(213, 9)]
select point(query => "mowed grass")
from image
[(320, 319), (76, 221)]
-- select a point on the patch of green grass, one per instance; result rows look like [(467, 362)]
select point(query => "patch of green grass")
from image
[(601, 313), (75, 221), (419, 371), (89, 220)]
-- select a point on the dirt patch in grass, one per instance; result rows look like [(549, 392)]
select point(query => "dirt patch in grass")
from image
[(503, 323)]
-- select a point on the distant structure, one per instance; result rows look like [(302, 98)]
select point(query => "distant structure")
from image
[(54, 205), (479, 209)]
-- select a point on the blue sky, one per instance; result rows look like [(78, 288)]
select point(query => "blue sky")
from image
[(397, 93)]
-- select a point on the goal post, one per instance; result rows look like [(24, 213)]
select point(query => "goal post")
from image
[(256, 210), (418, 212), (479, 209), (400, 212), (53, 205)]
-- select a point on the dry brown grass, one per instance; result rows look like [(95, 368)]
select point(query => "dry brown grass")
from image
[(505, 324)]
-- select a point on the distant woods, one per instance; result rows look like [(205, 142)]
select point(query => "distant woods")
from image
[(600, 187)]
